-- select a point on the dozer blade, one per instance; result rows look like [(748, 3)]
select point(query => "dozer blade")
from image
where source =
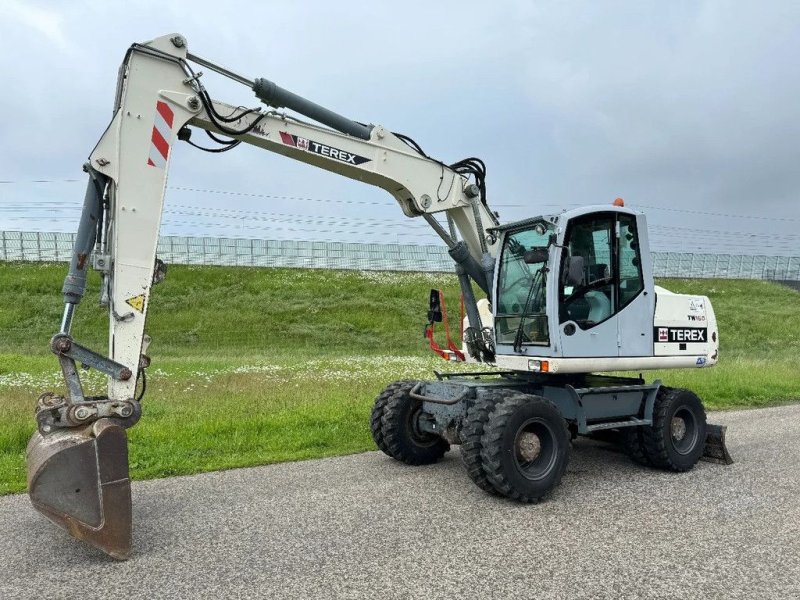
[(79, 480), (716, 451)]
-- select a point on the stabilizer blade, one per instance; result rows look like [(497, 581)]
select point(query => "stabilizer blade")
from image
[(715, 450), (78, 478)]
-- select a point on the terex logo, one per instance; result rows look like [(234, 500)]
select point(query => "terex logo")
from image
[(681, 334), (322, 149)]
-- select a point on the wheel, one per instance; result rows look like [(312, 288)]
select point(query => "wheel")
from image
[(525, 447), (633, 442), (376, 418), (676, 439), (399, 435), (472, 432)]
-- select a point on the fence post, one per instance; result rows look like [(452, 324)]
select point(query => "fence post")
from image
[(5, 254)]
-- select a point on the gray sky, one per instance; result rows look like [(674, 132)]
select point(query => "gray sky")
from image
[(688, 110)]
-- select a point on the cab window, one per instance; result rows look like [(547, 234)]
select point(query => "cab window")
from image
[(630, 267), (521, 295), (601, 269), (586, 293)]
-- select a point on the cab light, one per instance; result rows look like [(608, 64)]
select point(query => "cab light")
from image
[(618, 202)]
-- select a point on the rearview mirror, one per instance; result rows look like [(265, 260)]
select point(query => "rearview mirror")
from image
[(535, 255), (435, 308)]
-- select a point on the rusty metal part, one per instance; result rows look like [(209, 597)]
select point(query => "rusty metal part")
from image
[(715, 449), (529, 446), (78, 478), (68, 349), (678, 428), (57, 412)]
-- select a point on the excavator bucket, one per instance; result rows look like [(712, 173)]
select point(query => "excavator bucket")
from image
[(715, 450), (78, 478)]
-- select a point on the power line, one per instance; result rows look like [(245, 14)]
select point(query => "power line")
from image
[(252, 215), (715, 214), (247, 194), (362, 202)]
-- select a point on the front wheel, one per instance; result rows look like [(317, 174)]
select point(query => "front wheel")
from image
[(676, 439), (525, 447)]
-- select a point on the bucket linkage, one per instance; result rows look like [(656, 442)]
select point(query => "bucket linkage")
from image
[(78, 457)]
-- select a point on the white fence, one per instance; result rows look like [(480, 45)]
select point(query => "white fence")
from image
[(41, 246)]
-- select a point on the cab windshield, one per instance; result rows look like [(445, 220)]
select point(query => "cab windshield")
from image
[(521, 293)]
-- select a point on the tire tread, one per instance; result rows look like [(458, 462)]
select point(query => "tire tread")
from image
[(492, 448), (654, 443)]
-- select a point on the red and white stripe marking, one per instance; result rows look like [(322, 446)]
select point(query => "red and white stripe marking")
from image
[(162, 135)]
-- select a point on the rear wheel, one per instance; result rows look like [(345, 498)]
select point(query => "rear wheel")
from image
[(399, 432), (525, 447), (633, 442), (677, 437), (376, 418)]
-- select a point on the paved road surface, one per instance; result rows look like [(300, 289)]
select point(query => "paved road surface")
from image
[(367, 527)]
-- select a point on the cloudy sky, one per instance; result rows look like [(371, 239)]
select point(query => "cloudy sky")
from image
[(687, 109)]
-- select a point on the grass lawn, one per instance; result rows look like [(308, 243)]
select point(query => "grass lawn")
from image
[(253, 366)]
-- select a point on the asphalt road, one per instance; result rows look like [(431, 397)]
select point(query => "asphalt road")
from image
[(367, 527)]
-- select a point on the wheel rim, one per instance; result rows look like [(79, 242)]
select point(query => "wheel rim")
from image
[(683, 430), (421, 438), (535, 449)]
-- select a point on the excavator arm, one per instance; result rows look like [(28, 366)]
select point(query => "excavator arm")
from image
[(77, 460)]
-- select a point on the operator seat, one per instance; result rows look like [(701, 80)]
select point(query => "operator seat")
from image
[(599, 306)]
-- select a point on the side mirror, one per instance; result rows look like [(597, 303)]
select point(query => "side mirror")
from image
[(535, 255), (435, 308)]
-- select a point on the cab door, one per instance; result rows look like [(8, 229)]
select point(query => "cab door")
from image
[(588, 294), (606, 297)]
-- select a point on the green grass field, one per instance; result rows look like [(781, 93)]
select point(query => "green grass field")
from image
[(253, 366)]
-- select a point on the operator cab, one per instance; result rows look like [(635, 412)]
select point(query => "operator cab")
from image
[(577, 284)]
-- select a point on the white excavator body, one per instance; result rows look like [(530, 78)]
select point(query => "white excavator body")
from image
[(566, 296)]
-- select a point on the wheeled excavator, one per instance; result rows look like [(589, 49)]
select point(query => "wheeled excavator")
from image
[(552, 305)]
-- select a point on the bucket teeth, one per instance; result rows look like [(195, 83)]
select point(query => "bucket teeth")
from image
[(715, 449), (78, 478)]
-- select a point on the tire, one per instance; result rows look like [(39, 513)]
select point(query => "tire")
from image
[(632, 439), (472, 432), (676, 440), (376, 418), (398, 432), (520, 466)]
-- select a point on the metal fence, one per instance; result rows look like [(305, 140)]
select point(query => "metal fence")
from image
[(41, 246)]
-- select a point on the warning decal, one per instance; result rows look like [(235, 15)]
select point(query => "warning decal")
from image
[(137, 302), (161, 137)]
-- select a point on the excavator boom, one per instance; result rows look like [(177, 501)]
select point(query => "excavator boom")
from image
[(77, 460)]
